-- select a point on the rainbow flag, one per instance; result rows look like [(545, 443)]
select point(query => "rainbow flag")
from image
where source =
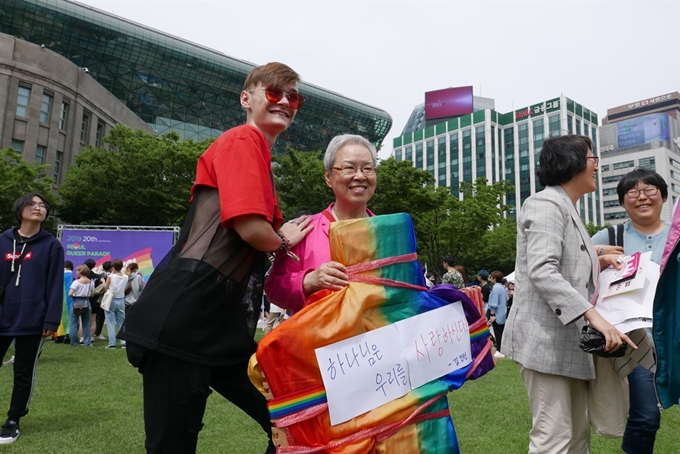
[(64, 326), (141, 257), (285, 367)]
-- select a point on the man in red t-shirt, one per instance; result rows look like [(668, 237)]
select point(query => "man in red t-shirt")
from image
[(192, 327)]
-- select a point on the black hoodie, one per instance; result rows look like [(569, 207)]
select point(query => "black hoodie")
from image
[(35, 293)]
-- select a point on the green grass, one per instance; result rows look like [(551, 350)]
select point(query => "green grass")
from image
[(89, 400)]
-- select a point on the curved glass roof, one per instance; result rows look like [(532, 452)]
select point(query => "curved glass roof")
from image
[(174, 84)]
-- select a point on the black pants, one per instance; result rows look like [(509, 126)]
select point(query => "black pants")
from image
[(26, 352), (175, 396), (99, 318), (498, 334)]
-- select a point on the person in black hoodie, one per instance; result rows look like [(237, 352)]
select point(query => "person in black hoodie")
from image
[(32, 280)]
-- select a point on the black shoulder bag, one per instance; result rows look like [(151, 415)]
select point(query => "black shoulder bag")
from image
[(593, 341)]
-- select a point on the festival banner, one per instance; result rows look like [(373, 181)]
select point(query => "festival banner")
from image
[(144, 247)]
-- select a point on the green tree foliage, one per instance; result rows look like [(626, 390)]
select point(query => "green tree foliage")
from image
[(17, 177), (138, 179), (300, 182), (402, 188), (593, 229), (496, 250)]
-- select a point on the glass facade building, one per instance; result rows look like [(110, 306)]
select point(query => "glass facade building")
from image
[(643, 134), (173, 84), (501, 146)]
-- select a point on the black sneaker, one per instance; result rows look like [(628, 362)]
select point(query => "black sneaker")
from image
[(10, 432)]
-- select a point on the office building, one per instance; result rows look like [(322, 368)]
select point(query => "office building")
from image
[(50, 108), (173, 84), (499, 146), (640, 134)]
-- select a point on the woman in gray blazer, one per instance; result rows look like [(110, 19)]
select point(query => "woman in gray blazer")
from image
[(556, 277)]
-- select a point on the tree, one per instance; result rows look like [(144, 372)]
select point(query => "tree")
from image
[(300, 182), (480, 209), (497, 249), (17, 177), (593, 229), (138, 179), (401, 188)]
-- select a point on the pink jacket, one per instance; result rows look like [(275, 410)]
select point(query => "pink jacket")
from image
[(673, 236), (284, 282)]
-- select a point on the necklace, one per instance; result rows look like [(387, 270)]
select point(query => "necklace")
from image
[(337, 218)]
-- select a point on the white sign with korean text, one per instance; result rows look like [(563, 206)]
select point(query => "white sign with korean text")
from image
[(363, 372), (435, 343)]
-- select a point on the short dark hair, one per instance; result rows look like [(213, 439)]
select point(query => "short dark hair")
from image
[(497, 275), (68, 265), (641, 175), (24, 201), (449, 260), (117, 264), (89, 263), (562, 158), (106, 266), (272, 74)]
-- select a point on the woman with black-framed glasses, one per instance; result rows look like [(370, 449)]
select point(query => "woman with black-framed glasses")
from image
[(642, 194), (556, 278)]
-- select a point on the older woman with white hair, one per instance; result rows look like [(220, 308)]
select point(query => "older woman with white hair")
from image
[(349, 162)]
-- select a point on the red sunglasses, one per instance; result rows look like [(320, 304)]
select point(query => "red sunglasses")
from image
[(274, 95)]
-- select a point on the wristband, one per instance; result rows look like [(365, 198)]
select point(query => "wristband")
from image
[(285, 245), (600, 251)]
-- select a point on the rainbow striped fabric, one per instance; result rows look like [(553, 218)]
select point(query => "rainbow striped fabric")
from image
[(418, 422)]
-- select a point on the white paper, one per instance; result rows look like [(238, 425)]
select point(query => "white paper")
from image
[(618, 307), (633, 324), (435, 343), (630, 277), (363, 372)]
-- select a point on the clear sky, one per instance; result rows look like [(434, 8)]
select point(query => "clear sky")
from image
[(600, 53)]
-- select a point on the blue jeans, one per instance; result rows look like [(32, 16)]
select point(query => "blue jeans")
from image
[(115, 317), (75, 324), (644, 416)]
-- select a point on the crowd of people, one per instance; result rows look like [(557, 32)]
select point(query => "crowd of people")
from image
[(86, 321), (190, 330)]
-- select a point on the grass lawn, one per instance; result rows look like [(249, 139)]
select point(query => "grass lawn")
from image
[(89, 400)]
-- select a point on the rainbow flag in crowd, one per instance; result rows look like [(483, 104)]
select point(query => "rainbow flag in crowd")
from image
[(386, 286), (141, 257), (65, 324)]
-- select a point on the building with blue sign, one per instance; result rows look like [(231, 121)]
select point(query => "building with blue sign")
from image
[(498, 146), (640, 134)]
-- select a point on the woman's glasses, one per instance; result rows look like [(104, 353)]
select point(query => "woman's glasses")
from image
[(274, 95), (596, 159), (351, 170), (649, 192)]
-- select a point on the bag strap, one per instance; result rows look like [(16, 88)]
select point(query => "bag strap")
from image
[(619, 235), (612, 238), (615, 235)]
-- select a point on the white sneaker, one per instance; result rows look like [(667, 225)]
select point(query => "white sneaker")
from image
[(9, 361), (10, 432), (100, 337), (499, 355)]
